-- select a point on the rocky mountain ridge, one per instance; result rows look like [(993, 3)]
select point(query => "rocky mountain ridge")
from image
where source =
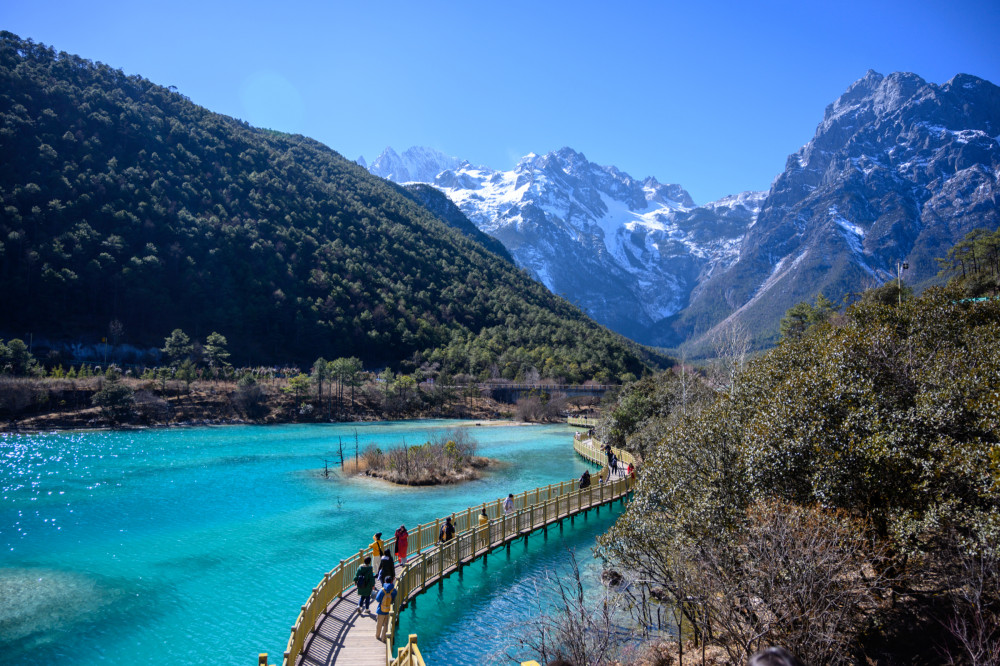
[(898, 170)]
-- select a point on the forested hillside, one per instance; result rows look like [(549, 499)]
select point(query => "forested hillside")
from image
[(846, 481), (122, 200)]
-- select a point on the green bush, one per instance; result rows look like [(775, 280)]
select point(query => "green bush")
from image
[(116, 400)]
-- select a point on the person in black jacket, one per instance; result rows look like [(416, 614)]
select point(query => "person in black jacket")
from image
[(386, 569), (447, 531), (585, 479)]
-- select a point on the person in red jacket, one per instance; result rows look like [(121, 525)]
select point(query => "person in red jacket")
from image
[(402, 539)]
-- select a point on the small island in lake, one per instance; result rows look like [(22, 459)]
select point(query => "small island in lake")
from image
[(447, 458)]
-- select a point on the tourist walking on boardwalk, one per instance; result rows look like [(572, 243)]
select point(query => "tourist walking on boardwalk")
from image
[(365, 580), (386, 569), (402, 541), (607, 452), (384, 600), (585, 479), (447, 530), (484, 528), (508, 505), (377, 546), (613, 463)]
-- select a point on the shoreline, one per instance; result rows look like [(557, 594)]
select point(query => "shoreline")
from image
[(46, 406), (220, 423)]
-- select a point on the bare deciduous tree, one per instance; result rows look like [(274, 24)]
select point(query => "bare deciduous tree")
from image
[(974, 589), (574, 631), (797, 576), (732, 348)]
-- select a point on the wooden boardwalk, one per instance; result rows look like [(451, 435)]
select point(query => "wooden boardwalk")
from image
[(339, 635), (344, 636)]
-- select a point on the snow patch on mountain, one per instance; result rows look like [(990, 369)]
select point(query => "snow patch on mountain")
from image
[(854, 235)]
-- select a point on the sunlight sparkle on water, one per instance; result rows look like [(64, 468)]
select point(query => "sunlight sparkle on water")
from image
[(155, 538)]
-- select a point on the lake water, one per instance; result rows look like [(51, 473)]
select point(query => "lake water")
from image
[(200, 544)]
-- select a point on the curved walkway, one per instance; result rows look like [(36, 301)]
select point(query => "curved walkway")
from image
[(329, 629)]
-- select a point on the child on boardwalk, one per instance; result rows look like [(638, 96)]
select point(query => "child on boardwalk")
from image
[(365, 580), (384, 599)]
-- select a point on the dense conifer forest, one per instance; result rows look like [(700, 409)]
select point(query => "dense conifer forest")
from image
[(123, 201)]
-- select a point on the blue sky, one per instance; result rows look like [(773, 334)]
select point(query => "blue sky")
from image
[(713, 96)]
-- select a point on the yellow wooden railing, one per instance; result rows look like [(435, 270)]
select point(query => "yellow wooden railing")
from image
[(593, 450), (583, 421), (538, 508), (429, 561), (409, 654)]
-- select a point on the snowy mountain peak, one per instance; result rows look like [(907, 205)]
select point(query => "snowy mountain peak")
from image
[(416, 164), (750, 200)]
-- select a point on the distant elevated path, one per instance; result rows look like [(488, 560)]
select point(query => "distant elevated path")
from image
[(510, 392)]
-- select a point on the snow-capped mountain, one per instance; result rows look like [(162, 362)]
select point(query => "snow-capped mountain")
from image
[(629, 252), (899, 170), (417, 164)]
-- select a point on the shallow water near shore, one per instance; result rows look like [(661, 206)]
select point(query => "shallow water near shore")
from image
[(194, 544)]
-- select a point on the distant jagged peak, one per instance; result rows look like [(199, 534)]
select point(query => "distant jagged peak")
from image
[(971, 83), (855, 94), (387, 154), (671, 195), (876, 104), (880, 94), (751, 200), (896, 90), (417, 164), (565, 159), (573, 164), (416, 153)]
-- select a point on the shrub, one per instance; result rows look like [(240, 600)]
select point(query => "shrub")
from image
[(151, 408), (373, 457), (116, 400), (249, 399)]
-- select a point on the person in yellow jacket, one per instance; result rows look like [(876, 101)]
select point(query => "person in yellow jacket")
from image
[(377, 546), (484, 528)]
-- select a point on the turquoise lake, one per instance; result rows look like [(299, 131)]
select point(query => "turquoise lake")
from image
[(194, 544)]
